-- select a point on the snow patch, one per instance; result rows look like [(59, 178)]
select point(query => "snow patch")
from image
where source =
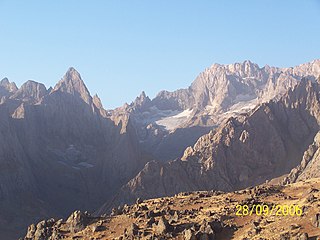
[(241, 107), (174, 121), (154, 114)]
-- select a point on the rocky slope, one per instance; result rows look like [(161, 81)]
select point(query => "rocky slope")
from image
[(201, 215), (179, 118), (244, 151), (59, 152), (309, 166)]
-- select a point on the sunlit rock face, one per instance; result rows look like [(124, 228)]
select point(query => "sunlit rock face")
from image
[(172, 121), (247, 150)]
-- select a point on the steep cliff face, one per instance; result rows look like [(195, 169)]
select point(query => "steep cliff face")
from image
[(250, 149), (310, 162), (222, 86), (60, 152), (309, 166)]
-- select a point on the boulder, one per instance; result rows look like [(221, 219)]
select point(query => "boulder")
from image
[(163, 226), (78, 221)]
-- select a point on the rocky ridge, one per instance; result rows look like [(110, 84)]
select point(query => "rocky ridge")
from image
[(179, 118), (263, 144), (200, 215)]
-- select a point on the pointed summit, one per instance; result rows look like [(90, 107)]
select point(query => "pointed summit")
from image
[(31, 91), (141, 101), (4, 82), (143, 94), (250, 65), (9, 86), (73, 84), (73, 74)]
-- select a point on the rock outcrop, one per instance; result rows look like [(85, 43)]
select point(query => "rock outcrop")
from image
[(209, 215)]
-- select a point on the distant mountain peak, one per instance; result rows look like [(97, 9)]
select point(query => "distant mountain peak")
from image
[(141, 101), (316, 61), (143, 94), (73, 74), (72, 83), (9, 86), (248, 62), (4, 81), (143, 97), (30, 91)]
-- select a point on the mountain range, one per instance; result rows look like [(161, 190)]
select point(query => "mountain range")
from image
[(236, 126)]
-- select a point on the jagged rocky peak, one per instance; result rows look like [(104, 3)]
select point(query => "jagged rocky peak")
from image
[(306, 69), (143, 97), (97, 101), (244, 69), (30, 91), (9, 86), (72, 83), (141, 101), (4, 82), (219, 87)]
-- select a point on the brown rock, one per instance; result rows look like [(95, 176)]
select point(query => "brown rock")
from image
[(163, 226), (78, 221), (315, 220)]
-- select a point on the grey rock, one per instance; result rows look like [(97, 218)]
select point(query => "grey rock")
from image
[(77, 221)]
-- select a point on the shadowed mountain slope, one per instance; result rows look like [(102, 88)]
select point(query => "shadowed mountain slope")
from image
[(59, 152)]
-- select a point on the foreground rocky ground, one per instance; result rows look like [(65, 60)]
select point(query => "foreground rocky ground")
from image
[(199, 215)]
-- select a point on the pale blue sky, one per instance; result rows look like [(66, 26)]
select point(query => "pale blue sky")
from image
[(123, 47)]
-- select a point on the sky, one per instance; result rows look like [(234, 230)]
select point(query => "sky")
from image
[(123, 47)]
